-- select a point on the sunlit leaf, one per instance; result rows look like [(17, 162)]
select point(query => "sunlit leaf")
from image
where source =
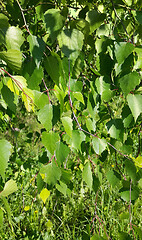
[(99, 145), (67, 123), (95, 19), (71, 42), (135, 104), (129, 82), (37, 46), (54, 22), (13, 58), (123, 50), (14, 38)]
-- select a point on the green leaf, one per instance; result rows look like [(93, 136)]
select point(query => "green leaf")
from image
[(40, 183), (13, 58), (96, 237), (45, 116), (5, 152), (40, 99), (71, 42), (62, 152), (52, 173), (131, 170), (129, 82), (124, 236), (37, 46), (44, 194), (125, 193), (8, 97), (139, 16), (1, 218), (138, 161), (53, 66), (103, 88), (49, 140), (138, 63), (3, 22), (127, 116), (91, 125), (54, 22), (3, 27), (10, 187), (14, 38), (67, 123), (78, 96), (66, 176), (113, 177), (115, 128), (35, 78), (87, 175), (83, 26), (62, 188), (95, 19), (122, 51), (99, 145), (135, 104), (77, 138)]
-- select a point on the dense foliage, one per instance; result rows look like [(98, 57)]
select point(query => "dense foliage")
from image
[(71, 119)]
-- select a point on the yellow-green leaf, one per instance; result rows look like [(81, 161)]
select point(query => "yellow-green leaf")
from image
[(9, 188), (28, 99), (16, 84), (138, 161), (44, 194), (26, 208)]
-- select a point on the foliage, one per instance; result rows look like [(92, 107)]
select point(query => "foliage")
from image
[(70, 107)]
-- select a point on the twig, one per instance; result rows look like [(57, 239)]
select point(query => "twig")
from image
[(80, 128), (118, 151), (24, 19), (47, 91), (17, 83)]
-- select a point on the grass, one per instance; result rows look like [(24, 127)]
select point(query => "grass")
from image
[(80, 216)]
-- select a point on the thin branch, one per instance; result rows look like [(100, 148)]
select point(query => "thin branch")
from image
[(118, 151), (80, 128), (24, 19), (47, 91), (17, 83)]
